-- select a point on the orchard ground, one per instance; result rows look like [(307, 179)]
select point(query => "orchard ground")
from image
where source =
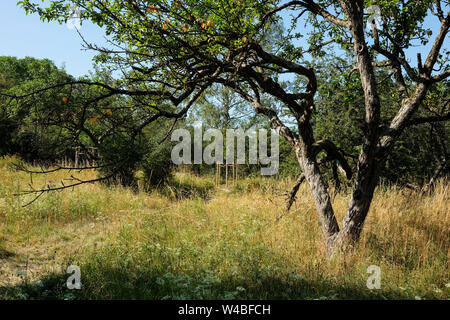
[(191, 240)]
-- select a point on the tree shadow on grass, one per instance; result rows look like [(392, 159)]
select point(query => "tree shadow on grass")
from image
[(4, 254), (118, 283)]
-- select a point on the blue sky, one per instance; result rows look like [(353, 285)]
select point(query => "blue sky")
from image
[(24, 35)]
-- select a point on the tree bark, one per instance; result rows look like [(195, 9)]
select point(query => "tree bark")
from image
[(306, 157), (367, 168)]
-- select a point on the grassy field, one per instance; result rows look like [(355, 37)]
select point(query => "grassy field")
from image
[(190, 240)]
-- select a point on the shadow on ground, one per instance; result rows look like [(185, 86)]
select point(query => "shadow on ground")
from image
[(118, 283)]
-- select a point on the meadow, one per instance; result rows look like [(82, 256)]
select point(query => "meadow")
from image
[(192, 240)]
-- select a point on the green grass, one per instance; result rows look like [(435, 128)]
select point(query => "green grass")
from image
[(190, 240)]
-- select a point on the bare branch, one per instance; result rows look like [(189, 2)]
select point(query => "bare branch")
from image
[(310, 6), (293, 193), (430, 119)]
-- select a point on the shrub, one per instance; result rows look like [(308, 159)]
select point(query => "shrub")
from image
[(157, 164)]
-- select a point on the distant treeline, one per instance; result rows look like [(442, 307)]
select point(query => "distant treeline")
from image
[(48, 126)]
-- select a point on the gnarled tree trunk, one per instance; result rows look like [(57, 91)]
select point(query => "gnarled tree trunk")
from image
[(306, 157)]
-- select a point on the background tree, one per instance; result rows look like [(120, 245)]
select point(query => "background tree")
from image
[(50, 124), (23, 125), (339, 118)]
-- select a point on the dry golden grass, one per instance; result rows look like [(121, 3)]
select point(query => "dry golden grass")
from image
[(190, 240)]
